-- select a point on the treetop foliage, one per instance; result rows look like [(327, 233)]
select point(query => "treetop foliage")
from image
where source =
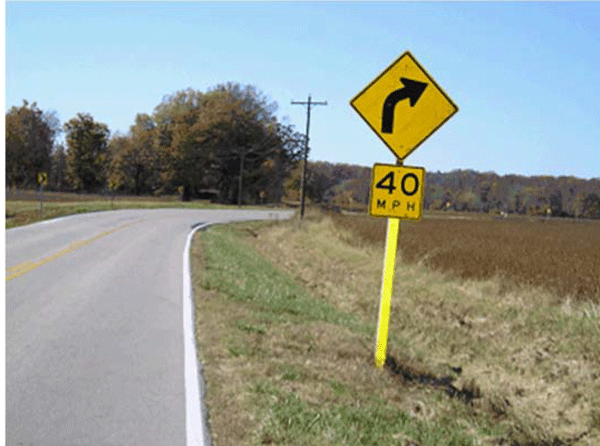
[(30, 135), (225, 143), (87, 153)]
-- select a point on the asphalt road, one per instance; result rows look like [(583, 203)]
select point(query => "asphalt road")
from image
[(94, 331)]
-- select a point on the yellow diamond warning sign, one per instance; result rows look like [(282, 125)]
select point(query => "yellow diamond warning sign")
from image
[(42, 178), (404, 105), (397, 191)]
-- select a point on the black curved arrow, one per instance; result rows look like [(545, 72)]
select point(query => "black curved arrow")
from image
[(412, 90)]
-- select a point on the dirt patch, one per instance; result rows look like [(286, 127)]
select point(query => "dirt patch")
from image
[(410, 375)]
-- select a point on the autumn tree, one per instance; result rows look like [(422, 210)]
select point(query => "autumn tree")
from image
[(179, 138), (226, 139), (58, 168), (118, 179), (289, 146), (291, 185), (591, 206), (87, 153), (135, 162), (320, 180), (240, 133), (30, 135)]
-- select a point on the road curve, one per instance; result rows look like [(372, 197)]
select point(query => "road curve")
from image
[(94, 327)]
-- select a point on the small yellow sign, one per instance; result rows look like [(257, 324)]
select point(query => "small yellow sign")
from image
[(404, 105), (43, 178), (397, 192)]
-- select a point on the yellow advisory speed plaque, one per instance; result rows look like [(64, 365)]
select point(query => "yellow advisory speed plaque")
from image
[(397, 191), (404, 105)]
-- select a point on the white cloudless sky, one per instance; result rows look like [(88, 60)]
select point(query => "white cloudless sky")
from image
[(525, 76)]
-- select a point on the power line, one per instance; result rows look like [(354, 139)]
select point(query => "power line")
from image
[(309, 104)]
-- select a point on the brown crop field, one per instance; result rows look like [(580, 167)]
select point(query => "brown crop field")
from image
[(560, 255)]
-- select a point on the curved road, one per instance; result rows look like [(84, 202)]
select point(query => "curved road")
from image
[(94, 327)]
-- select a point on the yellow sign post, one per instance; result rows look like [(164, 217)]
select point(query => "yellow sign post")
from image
[(387, 283), (397, 191), (403, 106)]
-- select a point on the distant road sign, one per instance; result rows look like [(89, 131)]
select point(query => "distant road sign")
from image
[(397, 191), (43, 178), (404, 105)]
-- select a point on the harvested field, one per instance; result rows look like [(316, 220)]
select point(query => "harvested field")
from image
[(562, 256)]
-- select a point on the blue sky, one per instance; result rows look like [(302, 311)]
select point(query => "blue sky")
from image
[(525, 76)]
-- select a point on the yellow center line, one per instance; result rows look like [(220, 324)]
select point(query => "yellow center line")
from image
[(18, 267), (27, 266)]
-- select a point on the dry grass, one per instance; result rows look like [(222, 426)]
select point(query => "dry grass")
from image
[(64, 197), (561, 255), (529, 364), (261, 359), (284, 367), (23, 206)]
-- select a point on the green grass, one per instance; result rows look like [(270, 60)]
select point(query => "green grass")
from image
[(248, 277), (269, 345), (291, 421)]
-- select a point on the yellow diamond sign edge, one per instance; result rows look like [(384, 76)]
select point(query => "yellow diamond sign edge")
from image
[(404, 105)]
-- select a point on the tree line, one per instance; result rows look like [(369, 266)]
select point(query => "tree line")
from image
[(225, 143), (348, 186)]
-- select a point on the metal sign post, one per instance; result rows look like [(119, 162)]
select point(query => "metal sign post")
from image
[(403, 106), (387, 283), (42, 180)]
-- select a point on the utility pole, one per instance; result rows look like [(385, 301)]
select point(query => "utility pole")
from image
[(310, 104), (242, 156)]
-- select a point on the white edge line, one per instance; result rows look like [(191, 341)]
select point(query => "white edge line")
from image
[(196, 427)]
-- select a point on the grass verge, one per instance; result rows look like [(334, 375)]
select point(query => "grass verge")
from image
[(23, 208), (19, 213), (285, 323)]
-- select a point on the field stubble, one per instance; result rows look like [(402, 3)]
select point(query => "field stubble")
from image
[(562, 256)]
